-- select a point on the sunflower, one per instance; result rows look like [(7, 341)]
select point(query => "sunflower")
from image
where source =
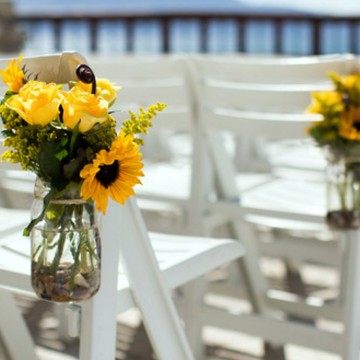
[(350, 124), (112, 173)]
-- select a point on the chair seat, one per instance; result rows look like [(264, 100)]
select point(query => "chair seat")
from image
[(180, 258), (299, 154), (12, 220), (16, 188), (285, 195), (164, 181)]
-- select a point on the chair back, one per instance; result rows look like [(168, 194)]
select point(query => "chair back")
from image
[(147, 80), (262, 101), (264, 96), (169, 146), (267, 97)]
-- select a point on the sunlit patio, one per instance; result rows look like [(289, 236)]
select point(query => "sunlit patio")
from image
[(231, 225)]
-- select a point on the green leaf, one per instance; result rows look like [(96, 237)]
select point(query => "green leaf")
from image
[(49, 164), (61, 154)]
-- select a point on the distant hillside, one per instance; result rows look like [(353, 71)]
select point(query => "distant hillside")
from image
[(140, 6)]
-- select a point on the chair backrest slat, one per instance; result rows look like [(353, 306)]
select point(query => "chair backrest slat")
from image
[(268, 96), (147, 80), (284, 70)]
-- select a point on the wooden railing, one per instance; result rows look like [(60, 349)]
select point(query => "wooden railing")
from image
[(315, 24)]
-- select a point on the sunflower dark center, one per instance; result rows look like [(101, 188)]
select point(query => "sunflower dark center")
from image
[(357, 125), (108, 174)]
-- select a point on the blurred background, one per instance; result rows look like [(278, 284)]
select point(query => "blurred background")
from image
[(290, 27)]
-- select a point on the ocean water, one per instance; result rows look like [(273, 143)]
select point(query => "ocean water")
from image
[(184, 35), (185, 38)]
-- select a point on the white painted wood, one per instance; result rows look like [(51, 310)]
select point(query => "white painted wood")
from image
[(265, 100), (148, 80), (169, 171), (181, 259), (98, 315), (125, 226), (283, 70), (190, 303), (3, 352), (14, 332), (194, 257), (149, 276), (351, 299), (276, 331)]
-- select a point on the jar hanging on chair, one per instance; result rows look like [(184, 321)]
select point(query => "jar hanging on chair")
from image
[(65, 245), (343, 191)]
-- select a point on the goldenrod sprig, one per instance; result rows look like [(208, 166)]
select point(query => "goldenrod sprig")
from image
[(139, 123)]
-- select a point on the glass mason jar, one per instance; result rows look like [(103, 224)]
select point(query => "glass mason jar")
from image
[(343, 191), (65, 245)]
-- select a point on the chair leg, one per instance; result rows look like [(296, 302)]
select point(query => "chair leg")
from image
[(98, 314), (190, 306), (98, 330), (14, 332), (3, 353), (152, 298), (352, 300)]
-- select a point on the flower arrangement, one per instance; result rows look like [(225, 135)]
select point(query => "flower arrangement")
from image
[(339, 108), (69, 139), (338, 132)]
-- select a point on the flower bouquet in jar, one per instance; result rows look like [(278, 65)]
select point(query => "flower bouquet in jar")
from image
[(338, 132), (69, 139)]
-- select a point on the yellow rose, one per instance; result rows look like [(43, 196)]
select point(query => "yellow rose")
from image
[(83, 108), (104, 88), (13, 76), (37, 102)]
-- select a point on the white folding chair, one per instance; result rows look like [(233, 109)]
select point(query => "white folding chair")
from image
[(136, 271), (166, 196), (267, 98)]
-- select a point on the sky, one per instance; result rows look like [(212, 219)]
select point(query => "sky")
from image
[(339, 7), (332, 7)]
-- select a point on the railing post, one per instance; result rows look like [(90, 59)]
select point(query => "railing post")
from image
[(165, 24), (241, 35), (57, 34), (204, 25), (129, 28), (353, 34), (93, 35), (316, 34), (278, 32)]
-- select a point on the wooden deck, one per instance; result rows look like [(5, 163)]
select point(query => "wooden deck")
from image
[(133, 344)]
